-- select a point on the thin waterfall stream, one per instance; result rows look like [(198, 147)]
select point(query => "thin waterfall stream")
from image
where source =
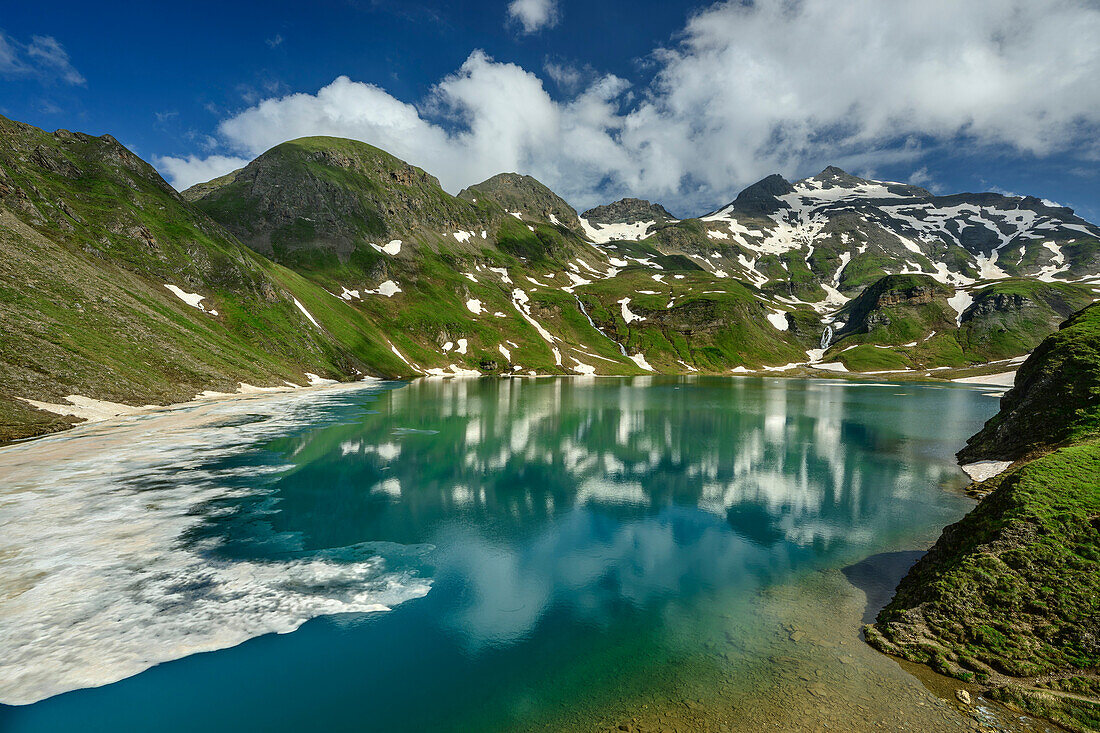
[(593, 324)]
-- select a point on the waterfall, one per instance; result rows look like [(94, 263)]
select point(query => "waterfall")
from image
[(593, 325), (826, 337)]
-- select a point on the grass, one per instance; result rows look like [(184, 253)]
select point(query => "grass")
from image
[(872, 358), (712, 325), (1056, 400), (1011, 592), (1012, 587)]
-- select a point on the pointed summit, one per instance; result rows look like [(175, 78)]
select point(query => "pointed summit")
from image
[(833, 177), (762, 196)]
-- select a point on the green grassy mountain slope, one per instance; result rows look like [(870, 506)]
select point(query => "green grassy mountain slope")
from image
[(1056, 399), (511, 279), (90, 237), (1011, 317), (914, 322), (523, 194), (321, 202), (1010, 595)]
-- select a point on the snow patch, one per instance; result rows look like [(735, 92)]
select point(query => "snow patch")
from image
[(1003, 379), (960, 301), (604, 233), (628, 316), (982, 470), (778, 319), (303, 309), (192, 299), (392, 248), (581, 367), (833, 366)]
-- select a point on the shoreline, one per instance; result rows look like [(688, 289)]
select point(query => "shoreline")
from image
[(91, 411)]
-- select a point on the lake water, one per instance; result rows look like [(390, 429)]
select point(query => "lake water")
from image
[(478, 555)]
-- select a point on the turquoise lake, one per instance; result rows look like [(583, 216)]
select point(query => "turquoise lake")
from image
[(478, 555)]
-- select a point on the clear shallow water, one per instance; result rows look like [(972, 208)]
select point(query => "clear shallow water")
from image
[(557, 553)]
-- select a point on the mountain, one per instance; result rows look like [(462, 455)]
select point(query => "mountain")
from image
[(332, 257), (1009, 597), (503, 268), (512, 192), (626, 218), (113, 287), (841, 232), (625, 211), (320, 201)]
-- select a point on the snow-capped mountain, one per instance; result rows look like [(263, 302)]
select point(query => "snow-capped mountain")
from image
[(842, 231), (327, 257)]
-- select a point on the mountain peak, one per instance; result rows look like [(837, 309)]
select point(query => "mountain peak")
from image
[(762, 196), (525, 194), (833, 176), (329, 196), (627, 211)]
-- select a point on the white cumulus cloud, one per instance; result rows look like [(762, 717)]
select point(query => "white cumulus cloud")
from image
[(777, 86), (533, 15), (186, 172)]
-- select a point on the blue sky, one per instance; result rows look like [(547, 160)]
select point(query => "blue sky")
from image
[(685, 103)]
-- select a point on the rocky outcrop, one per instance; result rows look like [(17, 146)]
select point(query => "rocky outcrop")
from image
[(627, 211), (897, 297)]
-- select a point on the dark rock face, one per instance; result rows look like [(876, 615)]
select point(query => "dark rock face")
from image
[(996, 303), (627, 211), (515, 192), (866, 311), (915, 295), (760, 197)]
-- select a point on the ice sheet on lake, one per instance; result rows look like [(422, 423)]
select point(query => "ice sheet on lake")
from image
[(97, 580)]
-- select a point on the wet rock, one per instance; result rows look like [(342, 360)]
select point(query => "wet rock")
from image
[(963, 696)]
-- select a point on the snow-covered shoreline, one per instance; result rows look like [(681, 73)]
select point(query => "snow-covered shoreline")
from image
[(90, 410)]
